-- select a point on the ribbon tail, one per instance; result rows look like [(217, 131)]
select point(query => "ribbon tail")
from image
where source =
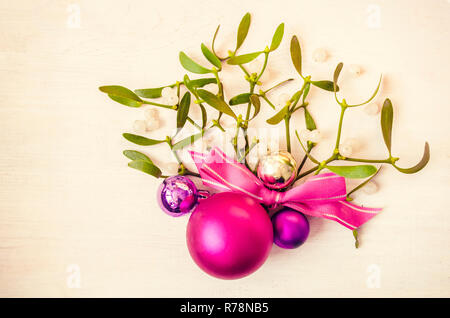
[(356, 214), (345, 213)]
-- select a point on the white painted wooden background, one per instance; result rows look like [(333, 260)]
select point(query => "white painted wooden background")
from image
[(76, 221)]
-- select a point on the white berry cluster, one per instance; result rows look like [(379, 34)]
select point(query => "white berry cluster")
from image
[(320, 55), (150, 123)]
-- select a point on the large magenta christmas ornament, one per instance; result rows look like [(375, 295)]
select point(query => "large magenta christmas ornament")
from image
[(229, 235), (290, 228), (277, 170), (177, 195)]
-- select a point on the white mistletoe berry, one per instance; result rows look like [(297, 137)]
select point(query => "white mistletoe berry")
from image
[(228, 123), (305, 135), (372, 109), (345, 150), (320, 55), (172, 168), (209, 139), (152, 124), (370, 187), (151, 113), (171, 99), (169, 91), (352, 142), (283, 99), (139, 126), (355, 70), (315, 136)]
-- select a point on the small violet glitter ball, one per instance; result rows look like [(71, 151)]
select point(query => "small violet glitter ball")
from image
[(177, 195)]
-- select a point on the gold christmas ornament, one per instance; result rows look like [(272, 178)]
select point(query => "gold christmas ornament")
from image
[(277, 170)]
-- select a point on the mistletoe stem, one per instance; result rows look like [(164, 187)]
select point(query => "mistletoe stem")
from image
[(235, 140), (266, 58), (294, 100), (219, 83), (244, 70), (247, 116), (388, 160), (268, 101), (305, 157), (249, 105), (248, 150), (307, 172), (288, 133), (341, 119), (275, 86), (189, 119), (159, 105), (175, 154)]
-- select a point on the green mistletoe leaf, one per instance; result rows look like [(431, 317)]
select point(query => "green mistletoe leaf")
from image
[(215, 102), (211, 57), (256, 103), (310, 124), (136, 155), (337, 71), (200, 82), (353, 172), (146, 167), (186, 141), (192, 66), (151, 92), (122, 95), (243, 98), (244, 25), (140, 140), (422, 163), (296, 54), (387, 114), (277, 37), (278, 116), (306, 91), (157, 91), (183, 110), (243, 59), (325, 85)]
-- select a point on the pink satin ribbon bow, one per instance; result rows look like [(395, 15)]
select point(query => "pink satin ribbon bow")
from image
[(322, 195)]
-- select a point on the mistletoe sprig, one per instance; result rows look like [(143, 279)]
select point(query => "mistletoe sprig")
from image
[(195, 89), (361, 171)]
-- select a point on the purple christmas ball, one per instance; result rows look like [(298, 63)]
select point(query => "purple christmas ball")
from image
[(177, 195), (290, 228)]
